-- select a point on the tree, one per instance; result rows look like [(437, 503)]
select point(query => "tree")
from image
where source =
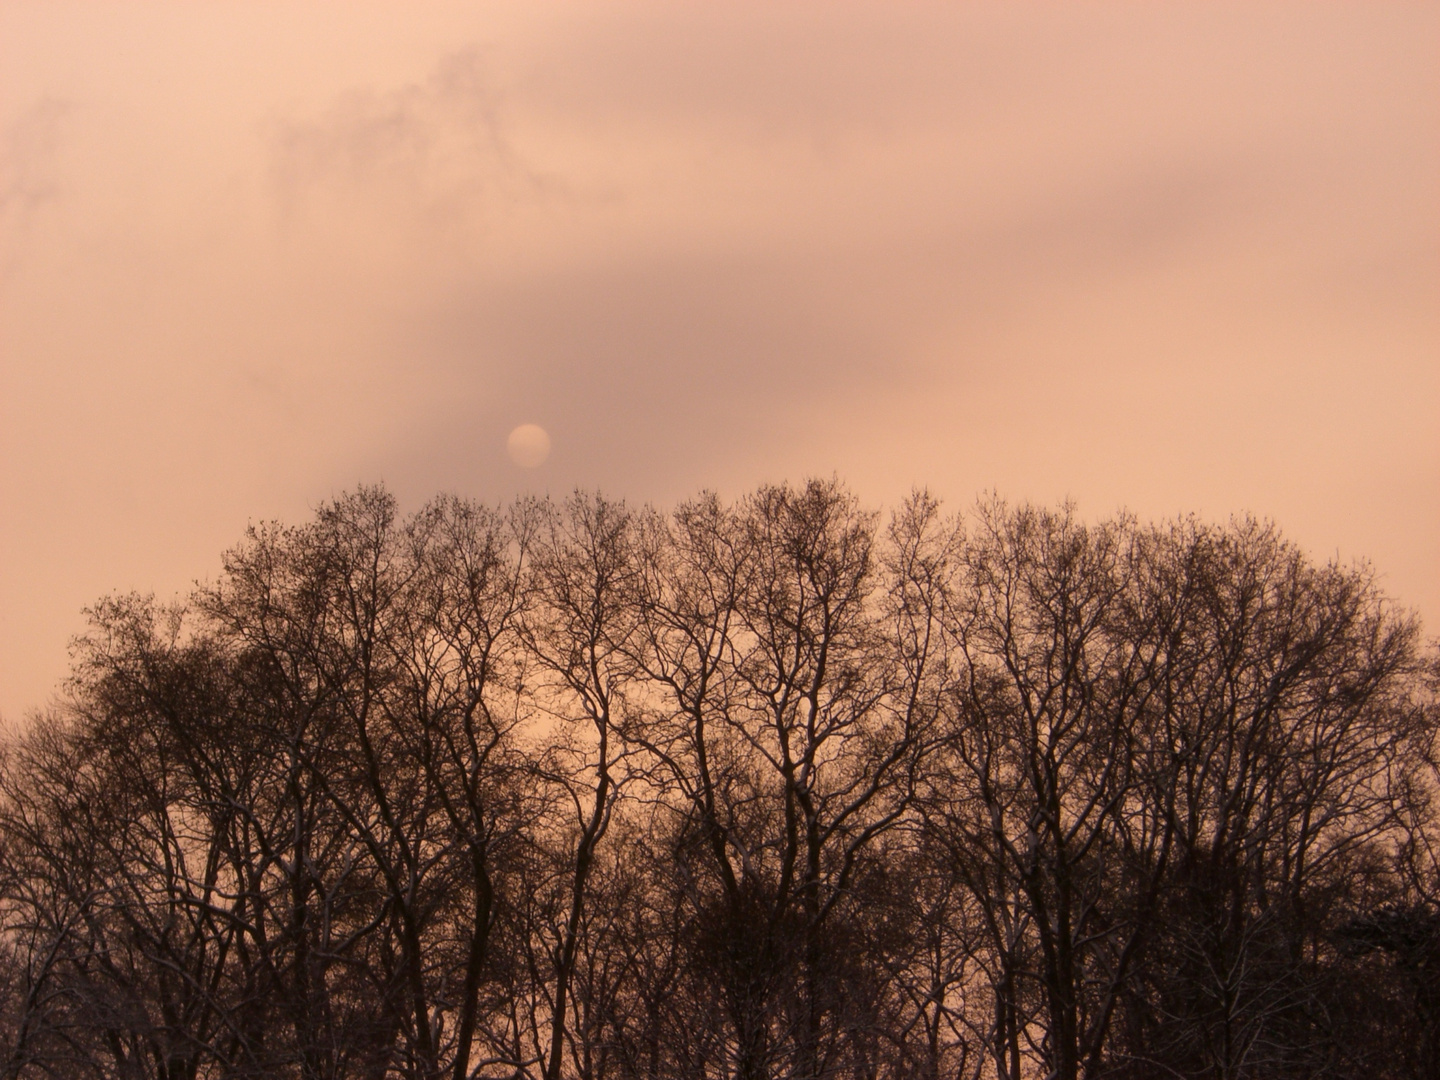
[(785, 726), (759, 789)]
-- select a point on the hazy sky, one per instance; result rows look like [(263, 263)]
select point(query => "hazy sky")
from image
[(1175, 257)]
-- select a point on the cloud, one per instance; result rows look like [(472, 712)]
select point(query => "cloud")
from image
[(435, 150), (29, 167), (1173, 257)]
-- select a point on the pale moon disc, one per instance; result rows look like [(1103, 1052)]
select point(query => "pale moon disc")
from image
[(528, 445)]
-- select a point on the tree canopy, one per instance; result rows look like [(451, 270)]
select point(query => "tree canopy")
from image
[(772, 788)]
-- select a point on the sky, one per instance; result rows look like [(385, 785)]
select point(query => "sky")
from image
[(1175, 258)]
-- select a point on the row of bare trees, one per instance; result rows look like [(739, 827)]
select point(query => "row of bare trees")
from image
[(751, 790)]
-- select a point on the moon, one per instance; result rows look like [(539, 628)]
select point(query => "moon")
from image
[(528, 446)]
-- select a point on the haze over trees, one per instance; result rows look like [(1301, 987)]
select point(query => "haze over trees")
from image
[(773, 788)]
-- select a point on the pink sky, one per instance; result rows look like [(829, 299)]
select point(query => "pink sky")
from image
[(1173, 257)]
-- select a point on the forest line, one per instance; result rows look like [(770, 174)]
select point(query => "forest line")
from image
[(771, 788)]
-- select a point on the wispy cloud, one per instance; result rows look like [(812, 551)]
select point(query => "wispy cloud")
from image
[(29, 168), (433, 150)]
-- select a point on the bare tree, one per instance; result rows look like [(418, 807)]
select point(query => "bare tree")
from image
[(785, 729), (1297, 766), (579, 636), (746, 790), (402, 636)]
